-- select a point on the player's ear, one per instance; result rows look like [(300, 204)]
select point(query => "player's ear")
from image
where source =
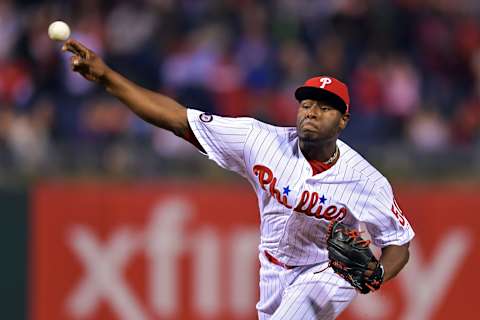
[(344, 120)]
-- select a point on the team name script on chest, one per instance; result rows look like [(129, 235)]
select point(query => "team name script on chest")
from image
[(309, 201)]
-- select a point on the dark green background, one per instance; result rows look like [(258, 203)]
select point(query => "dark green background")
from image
[(13, 266)]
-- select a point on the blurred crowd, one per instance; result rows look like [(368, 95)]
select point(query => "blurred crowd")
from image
[(413, 68)]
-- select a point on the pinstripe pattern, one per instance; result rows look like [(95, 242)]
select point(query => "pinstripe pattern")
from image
[(309, 292), (293, 227)]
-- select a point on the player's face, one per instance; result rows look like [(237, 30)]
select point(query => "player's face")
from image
[(318, 121)]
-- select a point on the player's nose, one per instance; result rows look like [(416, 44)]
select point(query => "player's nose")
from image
[(311, 113)]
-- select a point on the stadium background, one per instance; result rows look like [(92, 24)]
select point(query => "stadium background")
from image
[(106, 217)]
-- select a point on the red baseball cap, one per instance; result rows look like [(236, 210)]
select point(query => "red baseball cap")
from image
[(325, 87)]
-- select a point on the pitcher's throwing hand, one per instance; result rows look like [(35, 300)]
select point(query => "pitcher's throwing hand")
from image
[(85, 61)]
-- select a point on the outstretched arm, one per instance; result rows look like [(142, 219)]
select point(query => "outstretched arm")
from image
[(153, 107)]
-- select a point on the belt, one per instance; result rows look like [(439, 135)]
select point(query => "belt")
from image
[(274, 260)]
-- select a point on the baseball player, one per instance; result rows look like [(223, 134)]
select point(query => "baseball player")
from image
[(304, 178)]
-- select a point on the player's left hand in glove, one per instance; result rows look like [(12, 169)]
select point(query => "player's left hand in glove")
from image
[(351, 258)]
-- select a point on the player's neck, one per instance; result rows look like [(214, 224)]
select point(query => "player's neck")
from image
[(319, 151)]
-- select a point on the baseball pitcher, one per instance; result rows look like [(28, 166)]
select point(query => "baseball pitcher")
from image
[(313, 192)]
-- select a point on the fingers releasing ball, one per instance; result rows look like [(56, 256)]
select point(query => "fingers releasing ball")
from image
[(59, 31)]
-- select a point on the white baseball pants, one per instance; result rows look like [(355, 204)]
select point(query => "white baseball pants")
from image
[(308, 292)]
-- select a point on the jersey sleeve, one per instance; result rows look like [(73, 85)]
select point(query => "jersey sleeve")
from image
[(222, 138), (384, 219)]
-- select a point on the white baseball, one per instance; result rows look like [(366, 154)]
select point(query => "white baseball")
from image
[(58, 31)]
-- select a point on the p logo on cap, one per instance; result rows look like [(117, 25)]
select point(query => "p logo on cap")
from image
[(325, 81), (325, 87)]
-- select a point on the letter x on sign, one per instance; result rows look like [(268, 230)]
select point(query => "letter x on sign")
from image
[(103, 265)]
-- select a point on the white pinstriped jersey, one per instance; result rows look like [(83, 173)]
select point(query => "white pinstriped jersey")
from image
[(296, 206)]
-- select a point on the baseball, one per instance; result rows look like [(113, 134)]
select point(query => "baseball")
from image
[(59, 31)]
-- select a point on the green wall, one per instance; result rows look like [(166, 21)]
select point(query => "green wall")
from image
[(13, 260)]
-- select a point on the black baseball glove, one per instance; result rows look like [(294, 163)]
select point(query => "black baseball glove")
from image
[(351, 258)]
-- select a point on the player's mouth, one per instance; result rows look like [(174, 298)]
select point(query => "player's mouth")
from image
[(308, 125)]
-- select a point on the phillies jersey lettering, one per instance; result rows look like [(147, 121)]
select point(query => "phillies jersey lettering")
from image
[(307, 202), (295, 205)]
